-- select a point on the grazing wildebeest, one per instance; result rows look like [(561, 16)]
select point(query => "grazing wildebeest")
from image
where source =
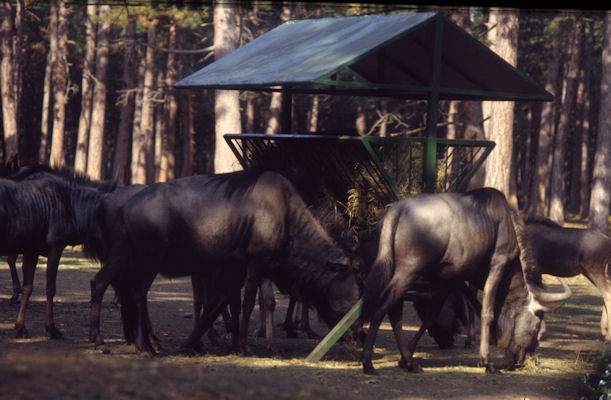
[(43, 210), (219, 227), (448, 238), (566, 252)]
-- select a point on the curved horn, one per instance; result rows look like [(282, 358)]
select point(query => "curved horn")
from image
[(549, 301)]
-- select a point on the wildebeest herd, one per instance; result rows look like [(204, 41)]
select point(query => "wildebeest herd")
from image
[(234, 234)]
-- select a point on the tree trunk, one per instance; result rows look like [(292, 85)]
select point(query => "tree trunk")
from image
[(159, 118), (8, 84), (168, 158), (127, 108), (96, 136), (82, 137), (498, 175), (539, 195), (579, 138), (43, 152), (143, 169), (188, 135), (226, 102), (138, 150), (601, 179), (559, 155), (313, 115), (59, 72), (275, 110), (584, 126)]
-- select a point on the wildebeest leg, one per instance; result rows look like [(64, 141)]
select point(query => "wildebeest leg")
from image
[(395, 316), (98, 284), (470, 340), (430, 317), (600, 281), (266, 293), (497, 266), (393, 294), (138, 295), (289, 325), (12, 264), (52, 266), (29, 266), (233, 323), (250, 294), (374, 325), (211, 310), (304, 324)]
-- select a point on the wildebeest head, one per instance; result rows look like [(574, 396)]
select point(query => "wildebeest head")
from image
[(519, 325)]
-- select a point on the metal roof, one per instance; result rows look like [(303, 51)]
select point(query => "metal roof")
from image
[(392, 55)]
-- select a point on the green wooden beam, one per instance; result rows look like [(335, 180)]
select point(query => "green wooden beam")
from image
[(337, 332)]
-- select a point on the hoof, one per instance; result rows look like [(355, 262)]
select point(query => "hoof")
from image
[(412, 366), (313, 335), (103, 349), (368, 369), (492, 369), (22, 333), (54, 333), (194, 347)]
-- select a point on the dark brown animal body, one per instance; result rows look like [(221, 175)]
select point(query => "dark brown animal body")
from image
[(566, 252), (222, 227)]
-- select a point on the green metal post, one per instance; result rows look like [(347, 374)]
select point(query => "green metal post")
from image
[(430, 150), (337, 332)]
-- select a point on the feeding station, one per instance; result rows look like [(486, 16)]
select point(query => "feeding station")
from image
[(421, 56)]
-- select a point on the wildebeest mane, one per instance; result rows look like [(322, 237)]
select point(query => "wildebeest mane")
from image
[(238, 183), (495, 205)]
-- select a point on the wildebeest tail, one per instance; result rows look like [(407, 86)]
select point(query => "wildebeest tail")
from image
[(383, 267)]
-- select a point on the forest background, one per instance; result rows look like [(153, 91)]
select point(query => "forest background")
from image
[(89, 85)]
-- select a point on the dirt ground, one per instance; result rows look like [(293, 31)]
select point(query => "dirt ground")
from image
[(41, 368)]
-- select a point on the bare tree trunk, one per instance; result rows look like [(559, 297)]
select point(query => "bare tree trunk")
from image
[(188, 136), (498, 175), (168, 158), (127, 108), (601, 180), (539, 197), (275, 105), (43, 153), (138, 151), (159, 127), (558, 167), (96, 136), (82, 137), (313, 117), (580, 137), (59, 73), (226, 102), (145, 172), (17, 57), (584, 126), (8, 84)]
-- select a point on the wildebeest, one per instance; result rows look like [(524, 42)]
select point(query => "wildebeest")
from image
[(566, 252), (43, 210), (562, 252), (448, 238), (219, 227)]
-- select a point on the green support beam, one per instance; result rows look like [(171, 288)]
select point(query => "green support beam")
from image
[(336, 333)]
